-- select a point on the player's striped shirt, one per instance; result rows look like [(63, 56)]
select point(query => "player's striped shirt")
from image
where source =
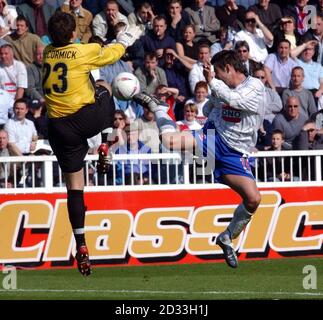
[(66, 70), (239, 112)]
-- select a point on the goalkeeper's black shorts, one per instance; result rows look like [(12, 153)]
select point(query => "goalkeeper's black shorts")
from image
[(68, 135)]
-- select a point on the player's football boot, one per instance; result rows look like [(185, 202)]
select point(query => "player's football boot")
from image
[(83, 261), (150, 102), (224, 241), (104, 161)]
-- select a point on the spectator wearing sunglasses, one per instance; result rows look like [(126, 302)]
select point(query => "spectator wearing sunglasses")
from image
[(242, 49), (257, 35)]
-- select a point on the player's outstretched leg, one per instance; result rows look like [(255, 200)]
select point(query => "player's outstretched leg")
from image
[(83, 261), (225, 243)]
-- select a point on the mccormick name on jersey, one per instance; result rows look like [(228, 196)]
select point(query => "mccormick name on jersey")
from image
[(58, 54)]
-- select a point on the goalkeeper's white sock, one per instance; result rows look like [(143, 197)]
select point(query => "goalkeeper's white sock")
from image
[(164, 122), (241, 218)]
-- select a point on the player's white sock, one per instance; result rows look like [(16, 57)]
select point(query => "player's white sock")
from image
[(241, 218), (164, 122)]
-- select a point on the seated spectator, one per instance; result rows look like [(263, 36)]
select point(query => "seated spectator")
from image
[(307, 102), (148, 130), (257, 38), (200, 99), (24, 43), (83, 19), (6, 169), (150, 75), (225, 41), (177, 19), (196, 74), (157, 39), (269, 13), (242, 49), (6, 107), (37, 114), (189, 122), (8, 15), (13, 73), (231, 15), (21, 131), (313, 71), (37, 12), (278, 67), (290, 122), (104, 22), (168, 95), (188, 49), (34, 75), (143, 17), (205, 21), (278, 165), (131, 109)]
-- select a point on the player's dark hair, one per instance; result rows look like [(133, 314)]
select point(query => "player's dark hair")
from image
[(225, 57), (60, 27)]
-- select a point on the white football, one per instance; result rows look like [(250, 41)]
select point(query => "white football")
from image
[(125, 85)]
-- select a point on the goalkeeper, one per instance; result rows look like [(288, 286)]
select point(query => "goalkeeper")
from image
[(227, 139), (76, 111)]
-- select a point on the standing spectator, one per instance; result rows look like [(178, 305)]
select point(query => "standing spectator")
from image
[(8, 15), (34, 91), (196, 74), (6, 107), (278, 67), (13, 73), (187, 48), (268, 13), (104, 22), (205, 21), (157, 40), (21, 131), (83, 19), (242, 49), (257, 38), (150, 75), (142, 17), (231, 15), (177, 19), (290, 122), (306, 99), (24, 43), (37, 12)]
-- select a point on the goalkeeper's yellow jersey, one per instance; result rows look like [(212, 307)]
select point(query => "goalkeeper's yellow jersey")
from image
[(66, 83)]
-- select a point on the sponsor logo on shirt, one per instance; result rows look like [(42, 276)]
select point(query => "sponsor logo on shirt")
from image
[(230, 114)]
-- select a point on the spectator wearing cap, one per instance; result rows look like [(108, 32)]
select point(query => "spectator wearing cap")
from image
[(24, 43), (83, 19), (22, 132), (37, 12), (257, 35), (13, 73), (37, 114), (34, 75)]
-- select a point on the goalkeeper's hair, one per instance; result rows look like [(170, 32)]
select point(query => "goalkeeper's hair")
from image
[(60, 27), (225, 57)]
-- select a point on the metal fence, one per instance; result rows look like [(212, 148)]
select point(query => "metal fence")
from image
[(32, 174)]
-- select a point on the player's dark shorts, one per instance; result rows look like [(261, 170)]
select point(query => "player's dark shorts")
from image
[(68, 135)]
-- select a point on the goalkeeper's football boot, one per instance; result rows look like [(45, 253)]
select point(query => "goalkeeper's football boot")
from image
[(150, 102), (224, 241), (104, 161), (83, 261)]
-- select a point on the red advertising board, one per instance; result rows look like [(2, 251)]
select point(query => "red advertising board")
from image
[(165, 226)]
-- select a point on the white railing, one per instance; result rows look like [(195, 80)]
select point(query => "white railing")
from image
[(34, 174)]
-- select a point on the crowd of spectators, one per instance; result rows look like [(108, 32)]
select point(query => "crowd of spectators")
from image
[(281, 43)]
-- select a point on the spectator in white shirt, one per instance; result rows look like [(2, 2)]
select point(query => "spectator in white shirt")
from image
[(6, 104), (13, 73), (258, 38), (21, 131)]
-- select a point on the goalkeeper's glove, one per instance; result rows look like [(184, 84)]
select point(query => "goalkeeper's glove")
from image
[(128, 36)]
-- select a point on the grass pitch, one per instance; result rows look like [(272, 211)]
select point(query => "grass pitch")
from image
[(266, 279)]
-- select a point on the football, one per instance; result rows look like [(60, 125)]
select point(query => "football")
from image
[(125, 85)]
